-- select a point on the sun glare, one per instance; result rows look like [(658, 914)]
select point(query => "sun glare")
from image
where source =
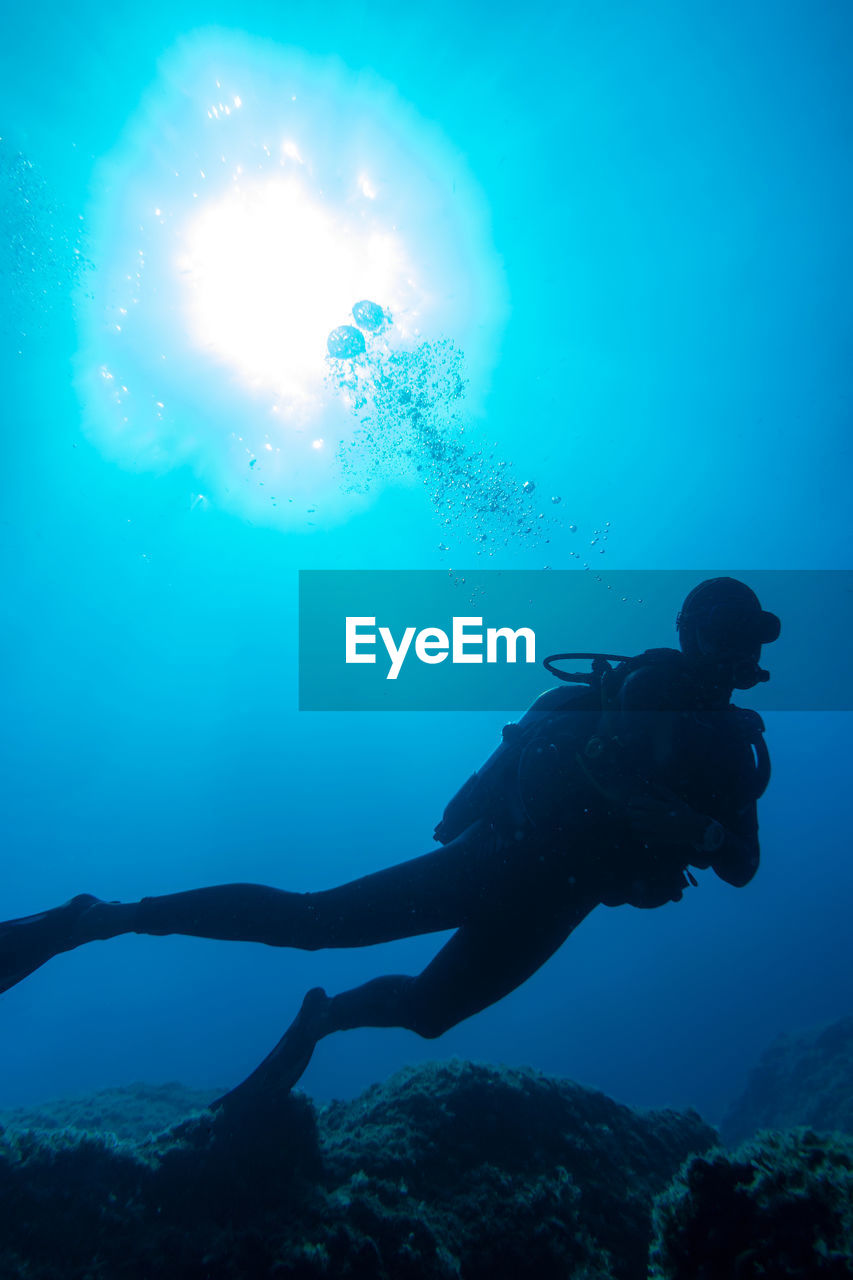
[(268, 271), (257, 196)]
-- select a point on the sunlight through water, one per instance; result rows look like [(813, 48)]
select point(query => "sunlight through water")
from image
[(254, 198)]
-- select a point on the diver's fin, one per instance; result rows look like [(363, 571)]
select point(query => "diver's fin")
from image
[(30, 941), (285, 1064), (9, 980)]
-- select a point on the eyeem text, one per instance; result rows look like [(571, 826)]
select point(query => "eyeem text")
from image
[(467, 642)]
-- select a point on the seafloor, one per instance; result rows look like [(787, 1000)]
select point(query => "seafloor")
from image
[(451, 1170)]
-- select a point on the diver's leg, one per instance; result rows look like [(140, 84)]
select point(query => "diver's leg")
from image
[(424, 895), (484, 961)]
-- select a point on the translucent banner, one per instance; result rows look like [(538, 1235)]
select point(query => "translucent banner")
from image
[(432, 640)]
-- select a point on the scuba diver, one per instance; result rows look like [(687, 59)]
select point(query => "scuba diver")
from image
[(611, 787)]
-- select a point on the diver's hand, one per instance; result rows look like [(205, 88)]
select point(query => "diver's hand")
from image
[(664, 818)]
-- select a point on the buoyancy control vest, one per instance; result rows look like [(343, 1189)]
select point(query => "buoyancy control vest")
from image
[(528, 780)]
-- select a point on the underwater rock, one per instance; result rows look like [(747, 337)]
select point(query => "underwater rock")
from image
[(368, 315), (778, 1207), (800, 1080), (130, 1113), (449, 1170), (519, 1173), (345, 343)]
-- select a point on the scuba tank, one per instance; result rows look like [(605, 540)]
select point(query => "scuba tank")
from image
[(553, 720), (493, 789), (526, 777)]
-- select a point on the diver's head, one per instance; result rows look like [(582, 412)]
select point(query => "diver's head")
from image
[(721, 628)]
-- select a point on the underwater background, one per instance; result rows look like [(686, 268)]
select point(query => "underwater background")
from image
[(645, 262)]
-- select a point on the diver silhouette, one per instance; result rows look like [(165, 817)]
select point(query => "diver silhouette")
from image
[(608, 790)]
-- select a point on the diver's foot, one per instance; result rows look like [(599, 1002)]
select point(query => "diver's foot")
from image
[(284, 1066), (28, 943)]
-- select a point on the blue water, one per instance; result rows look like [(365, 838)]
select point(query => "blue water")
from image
[(668, 191)]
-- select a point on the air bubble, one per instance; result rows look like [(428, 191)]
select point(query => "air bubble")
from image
[(346, 343), (368, 315), (410, 420)]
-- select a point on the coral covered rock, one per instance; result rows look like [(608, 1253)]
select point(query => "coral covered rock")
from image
[(129, 1112), (450, 1171), (518, 1173), (779, 1207)]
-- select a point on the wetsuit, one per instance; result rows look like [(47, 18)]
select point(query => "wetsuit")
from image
[(513, 892)]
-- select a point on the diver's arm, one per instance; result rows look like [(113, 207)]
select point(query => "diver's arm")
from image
[(736, 856), (726, 842), (730, 846)]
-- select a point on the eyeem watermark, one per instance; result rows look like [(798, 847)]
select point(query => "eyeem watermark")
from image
[(466, 643)]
